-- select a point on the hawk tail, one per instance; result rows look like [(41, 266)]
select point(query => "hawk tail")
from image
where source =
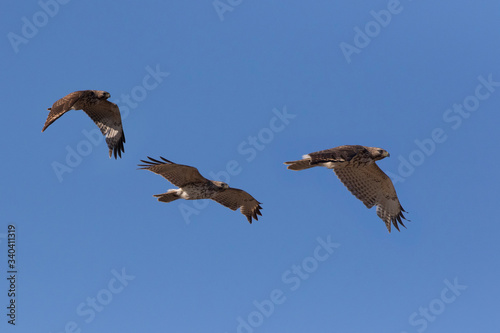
[(169, 196), (299, 165)]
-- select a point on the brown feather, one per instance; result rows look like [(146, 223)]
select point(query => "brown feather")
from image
[(356, 168), (188, 177), (94, 103), (234, 198)]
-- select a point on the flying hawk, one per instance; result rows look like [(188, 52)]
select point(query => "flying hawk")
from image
[(105, 114), (356, 168), (193, 186)]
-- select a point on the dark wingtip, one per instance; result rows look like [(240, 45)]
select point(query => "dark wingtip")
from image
[(119, 148), (401, 221), (395, 223), (153, 161), (143, 166), (401, 214), (119, 152), (163, 158), (398, 220), (254, 214)]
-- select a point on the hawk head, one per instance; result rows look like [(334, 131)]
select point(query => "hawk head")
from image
[(101, 94), (378, 153), (220, 185)]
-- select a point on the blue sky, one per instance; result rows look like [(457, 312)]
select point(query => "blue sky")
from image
[(236, 88)]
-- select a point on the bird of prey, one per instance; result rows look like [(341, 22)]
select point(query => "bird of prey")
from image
[(193, 186), (356, 168), (95, 104)]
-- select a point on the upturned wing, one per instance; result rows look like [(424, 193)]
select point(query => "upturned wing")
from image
[(106, 115), (62, 106), (178, 174), (234, 198)]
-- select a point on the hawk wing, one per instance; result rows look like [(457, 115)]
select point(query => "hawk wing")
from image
[(234, 198), (328, 156), (337, 154), (62, 106), (374, 188), (106, 115), (178, 174)]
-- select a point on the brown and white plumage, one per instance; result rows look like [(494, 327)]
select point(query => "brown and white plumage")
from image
[(105, 114), (193, 186), (355, 166)]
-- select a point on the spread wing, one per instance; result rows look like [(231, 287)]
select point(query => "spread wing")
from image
[(234, 198), (374, 188), (106, 116), (178, 174), (62, 106)]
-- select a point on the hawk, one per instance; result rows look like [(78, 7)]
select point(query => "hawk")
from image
[(95, 104), (356, 168), (193, 186)]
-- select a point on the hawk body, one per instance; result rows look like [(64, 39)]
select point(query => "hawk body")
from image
[(195, 191), (94, 103), (355, 167), (193, 186)]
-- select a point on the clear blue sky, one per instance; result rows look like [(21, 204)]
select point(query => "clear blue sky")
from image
[(236, 88)]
